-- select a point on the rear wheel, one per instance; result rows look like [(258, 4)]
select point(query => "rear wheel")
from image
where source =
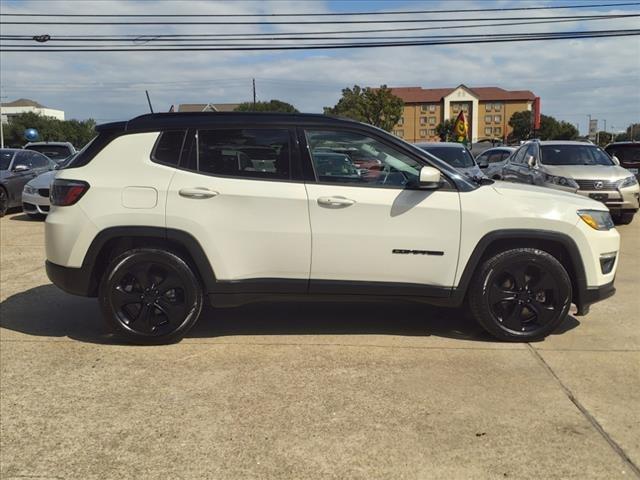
[(624, 218), (150, 296), (521, 294)]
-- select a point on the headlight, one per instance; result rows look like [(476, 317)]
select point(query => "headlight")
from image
[(596, 219), (30, 190), (561, 181), (628, 182)]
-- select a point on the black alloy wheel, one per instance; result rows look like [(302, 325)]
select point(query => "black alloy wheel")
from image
[(151, 296), (521, 294)]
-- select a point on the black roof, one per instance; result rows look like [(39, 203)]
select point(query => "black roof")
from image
[(158, 121)]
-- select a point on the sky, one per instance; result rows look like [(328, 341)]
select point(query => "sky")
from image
[(574, 78)]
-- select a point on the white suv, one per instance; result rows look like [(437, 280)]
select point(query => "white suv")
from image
[(159, 213)]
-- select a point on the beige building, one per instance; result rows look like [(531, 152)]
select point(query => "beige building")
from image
[(488, 110), (24, 105)]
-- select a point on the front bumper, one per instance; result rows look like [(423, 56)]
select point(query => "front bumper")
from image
[(35, 204), (625, 199), (590, 296)]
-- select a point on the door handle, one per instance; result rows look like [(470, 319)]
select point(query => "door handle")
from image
[(197, 192), (335, 201)]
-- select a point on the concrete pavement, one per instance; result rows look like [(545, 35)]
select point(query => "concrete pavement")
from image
[(311, 390)]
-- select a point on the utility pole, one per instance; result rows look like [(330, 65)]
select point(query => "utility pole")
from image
[(254, 93)]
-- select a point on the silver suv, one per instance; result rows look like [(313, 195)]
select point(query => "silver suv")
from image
[(577, 167)]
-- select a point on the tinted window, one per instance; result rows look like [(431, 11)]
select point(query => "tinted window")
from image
[(54, 152), (168, 147), (497, 156), (626, 153), (457, 157), (39, 161), (518, 157), (574, 155), (353, 158), (252, 153), (5, 159)]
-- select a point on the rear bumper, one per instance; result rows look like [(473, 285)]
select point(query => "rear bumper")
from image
[(593, 295), (76, 281)]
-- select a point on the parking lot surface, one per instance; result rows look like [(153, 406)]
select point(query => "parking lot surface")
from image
[(309, 390)]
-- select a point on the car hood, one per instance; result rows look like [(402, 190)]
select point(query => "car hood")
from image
[(43, 181), (533, 193), (588, 172)]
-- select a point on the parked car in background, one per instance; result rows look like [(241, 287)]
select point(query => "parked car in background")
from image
[(35, 195), (628, 154), (56, 151), (17, 167), (577, 167), (455, 154), (486, 143), (491, 161)]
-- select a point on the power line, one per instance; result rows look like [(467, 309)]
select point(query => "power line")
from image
[(318, 14), (313, 22), (125, 37), (487, 39)]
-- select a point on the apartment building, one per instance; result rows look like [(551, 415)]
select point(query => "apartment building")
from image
[(488, 110)]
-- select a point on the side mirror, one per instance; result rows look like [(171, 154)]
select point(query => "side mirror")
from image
[(616, 160), (531, 161), (430, 178), (21, 168)]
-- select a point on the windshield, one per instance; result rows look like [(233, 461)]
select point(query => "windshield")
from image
[(574, 155), (5, 159), (54, 152), (457, 157)]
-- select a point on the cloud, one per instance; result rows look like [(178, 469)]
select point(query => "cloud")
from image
[(573, 77)]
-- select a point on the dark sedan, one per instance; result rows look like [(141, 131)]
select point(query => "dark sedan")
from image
[(17, 167)]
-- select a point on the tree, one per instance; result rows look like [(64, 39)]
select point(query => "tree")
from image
[(270, 106), (444, 130), (550, 128), (632, 133), (49, 129), (376, 106)]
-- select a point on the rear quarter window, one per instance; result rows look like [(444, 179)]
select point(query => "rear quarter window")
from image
[(168, 147)]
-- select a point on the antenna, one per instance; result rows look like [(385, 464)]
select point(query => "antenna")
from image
[(149, 100)]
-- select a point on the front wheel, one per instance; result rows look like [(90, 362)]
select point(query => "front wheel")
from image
[(150, 296), (4, 201), (520, 295)]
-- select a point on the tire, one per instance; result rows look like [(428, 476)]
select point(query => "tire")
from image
[(624, 218), (520, 295), (4, 202), (150, 296)]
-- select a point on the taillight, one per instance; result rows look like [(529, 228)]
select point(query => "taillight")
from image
[(67, 192)]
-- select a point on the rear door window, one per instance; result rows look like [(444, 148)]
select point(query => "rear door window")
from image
[(245, 152)]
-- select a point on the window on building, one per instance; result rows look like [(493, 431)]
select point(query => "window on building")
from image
[(487, 131), (423, 120), (497, 131), (243, 152), (401, 121), (432, 108), (432, 120), (455, 107), (432, 131), (488, 107), (465, 107), (399, 133), (488, 118), (497, 107), (497, 118), (424, 107), (423, 133)]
